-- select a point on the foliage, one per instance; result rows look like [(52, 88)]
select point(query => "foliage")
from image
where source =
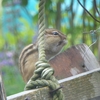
[(24, 2), (26, 34), (2, 42), (23, 37), (13, 81)]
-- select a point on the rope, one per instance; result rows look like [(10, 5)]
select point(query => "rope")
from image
[(43, 75)]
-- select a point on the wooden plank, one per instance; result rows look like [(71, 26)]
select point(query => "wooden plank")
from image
[(2, 92), (85, 86), (90, 61), (82, 70), (75, 60), (36, 94)]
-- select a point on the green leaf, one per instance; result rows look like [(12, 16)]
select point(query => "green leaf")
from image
[(2, 42), (4, 2), (24, 2), (11, 39)]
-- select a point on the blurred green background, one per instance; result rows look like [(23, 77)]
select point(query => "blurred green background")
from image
[(19, 27)]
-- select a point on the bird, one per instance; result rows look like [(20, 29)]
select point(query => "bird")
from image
[(54, 41)]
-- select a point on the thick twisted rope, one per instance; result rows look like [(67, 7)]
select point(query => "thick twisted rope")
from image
[(43, 75)]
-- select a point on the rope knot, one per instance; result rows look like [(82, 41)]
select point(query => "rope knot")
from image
[(43, 75)]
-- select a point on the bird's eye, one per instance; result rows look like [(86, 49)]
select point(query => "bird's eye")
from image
[(55, 33)]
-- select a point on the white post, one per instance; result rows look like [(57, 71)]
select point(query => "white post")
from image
[(2, 92)]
